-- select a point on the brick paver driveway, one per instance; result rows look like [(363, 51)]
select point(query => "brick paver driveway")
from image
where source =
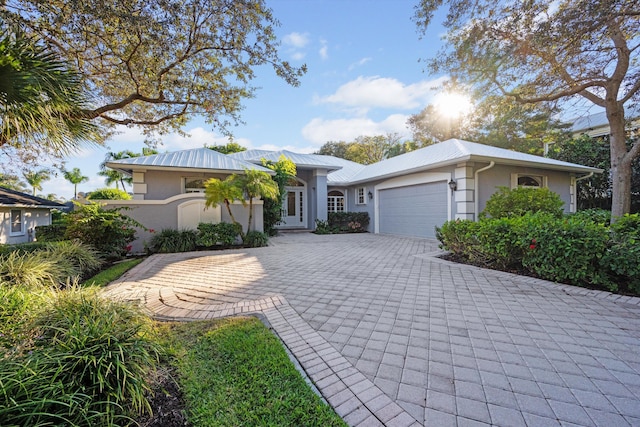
[(392, 335)]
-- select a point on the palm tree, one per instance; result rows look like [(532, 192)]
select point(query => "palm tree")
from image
[(12, 182), (75, 177), (36, 178), (253, 183), (41, 99), (111, 175)]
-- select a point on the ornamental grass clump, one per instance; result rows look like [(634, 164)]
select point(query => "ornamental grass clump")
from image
[(104, 350)]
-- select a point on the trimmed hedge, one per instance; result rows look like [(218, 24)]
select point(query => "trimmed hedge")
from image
[(343, 222), (570, 249)]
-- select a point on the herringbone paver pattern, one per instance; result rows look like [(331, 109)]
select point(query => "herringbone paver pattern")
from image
[(391, 335)]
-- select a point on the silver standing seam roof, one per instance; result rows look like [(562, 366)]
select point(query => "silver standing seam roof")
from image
[(455, 151), (196, 158), (345, 172)]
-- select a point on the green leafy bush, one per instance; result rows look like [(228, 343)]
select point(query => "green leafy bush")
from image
[(51, 233), (349, 222), (569, 250), (222, 233), (256, 239), (599, 216), (108, 230), (460, 237), (109, 194), (519, 201), (76, 258), (170, 240), (23, 248), (323, 227), (622, 255)]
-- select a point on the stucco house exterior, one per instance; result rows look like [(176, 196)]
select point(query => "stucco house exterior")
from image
[(21, 213), (408, 195)]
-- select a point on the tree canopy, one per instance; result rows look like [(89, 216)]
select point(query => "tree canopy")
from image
[(539, 51), (368, 149), (156, 63), (41, 101)]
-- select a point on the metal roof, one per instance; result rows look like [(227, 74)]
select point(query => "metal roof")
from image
[(302, 161), (453, 151), (597, 124), (196, 158), (13, 198)]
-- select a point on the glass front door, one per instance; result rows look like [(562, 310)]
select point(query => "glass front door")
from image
[(293, 211)]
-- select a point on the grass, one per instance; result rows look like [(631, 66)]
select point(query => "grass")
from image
[(235, 372), (112, 273)]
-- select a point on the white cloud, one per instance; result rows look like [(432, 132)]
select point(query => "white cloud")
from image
[(359, 63), (297, 40), (324, 50), (319, 131), (365, 93)]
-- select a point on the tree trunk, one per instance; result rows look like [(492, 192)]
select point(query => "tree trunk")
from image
[(620, 162), (250, 213)]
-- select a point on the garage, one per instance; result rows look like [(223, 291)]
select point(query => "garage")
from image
[(413, 210)]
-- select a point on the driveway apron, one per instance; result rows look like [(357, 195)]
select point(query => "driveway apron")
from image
[(392, 335)]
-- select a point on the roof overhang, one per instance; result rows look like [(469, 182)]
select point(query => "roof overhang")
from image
[(129, 169)]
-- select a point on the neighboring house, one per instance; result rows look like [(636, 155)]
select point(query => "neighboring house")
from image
[(408, 195), (597, 125), (21, 213)]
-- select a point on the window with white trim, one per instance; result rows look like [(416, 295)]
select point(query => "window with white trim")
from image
[(17, 222), (528, 181), (335, 201), (361, 198), (194, 185)]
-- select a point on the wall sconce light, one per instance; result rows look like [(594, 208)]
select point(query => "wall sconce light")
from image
[(453, 185), (370, 195)]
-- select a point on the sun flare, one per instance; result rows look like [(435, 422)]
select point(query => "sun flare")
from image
[(453, 105)]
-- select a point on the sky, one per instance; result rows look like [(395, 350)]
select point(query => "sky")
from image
[(364, 78)]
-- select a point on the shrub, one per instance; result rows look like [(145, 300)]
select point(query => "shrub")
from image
[(460, 237), (256, 239), (107, 230), (51, 233), (23, 248), (568, 250), (222, 233), (170, 240), (109, 194), (622, 255), (349, 222), (323, 227), (102, 348), (599, 216), (522, 200)]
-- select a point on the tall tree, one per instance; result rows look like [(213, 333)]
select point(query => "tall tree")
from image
[(157, 63), (12, 182), (113, 176), (284, 170), (36, 178), (367, 149), (228, 148), (41, 101), (75, 177), (540, 51)]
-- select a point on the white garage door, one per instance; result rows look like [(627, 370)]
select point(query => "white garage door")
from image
[(414, 210)]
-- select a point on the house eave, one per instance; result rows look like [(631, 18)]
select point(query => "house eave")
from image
[(2, 205), (143, 168)]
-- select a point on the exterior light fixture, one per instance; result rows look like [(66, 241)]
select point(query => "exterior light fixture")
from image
[(453, 185), (370, 195)]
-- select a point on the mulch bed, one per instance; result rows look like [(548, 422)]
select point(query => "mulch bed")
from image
[(166, 402)]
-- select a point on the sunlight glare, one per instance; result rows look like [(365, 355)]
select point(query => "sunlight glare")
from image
[(453, 105)]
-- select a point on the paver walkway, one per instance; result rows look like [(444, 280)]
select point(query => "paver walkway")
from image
[(393, 336)]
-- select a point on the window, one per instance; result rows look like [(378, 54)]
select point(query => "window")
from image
[(17, 222), (335, 201), (194, 185), (528, 181), (361, 198)]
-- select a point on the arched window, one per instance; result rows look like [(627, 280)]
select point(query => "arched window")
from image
[(335, 201), (528, 181)]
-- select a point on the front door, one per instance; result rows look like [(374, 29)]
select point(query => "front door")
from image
[(293, 208)]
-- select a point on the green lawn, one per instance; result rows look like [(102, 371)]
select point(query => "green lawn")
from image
[(235, 372), (112, 273)]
